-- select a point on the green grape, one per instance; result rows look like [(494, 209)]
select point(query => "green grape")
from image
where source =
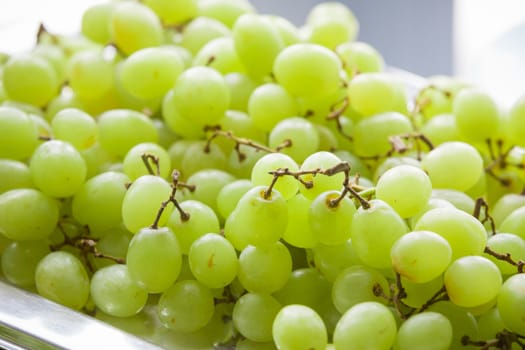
[(367, 325), (374, 232), (308, 70), (213, 260), (288, 32), (357, 165), (286, 186), (371, 135), (95, 22), (505, 205), (513, 223), (220, 54), (202, 220), (134, 165), (417, 294), (149, 73), (174, 12), (472, 281), (434, 101), (299, 327), (19, 134), (477, 115), (264, 270), (506, 243), (302, 134), (241, 125), (134, 26), (393, 162), (253, 316), (97, 160), (76, 127), (57, 169), (43, 127), (121, 129), (229, 196), (186, 306), (241, 87), (405, 188), (331, 24), (200, 31), (113, 242), (30, 79), (320, 183), (421, 256), (514, 122), (66, 99), (332, 259), (490, 324), (356, 284), (198, 156), (90, 75), (234, 231), (14, 174), (116, 293), (359, 57), (61, 277), (201, 95), (177, 151), (55, 55), (327, 139), (465, 234), (304, 279), (298, 232), (427, 330), (226, 11), (154, 258), (208, 183), (257, 43), (20, 259), (454, 165), (142, 202), (458, 199), (98, 203), (440, 129), (269, 104), (331, 223), (166, 136), (511, 303), (175, 122)]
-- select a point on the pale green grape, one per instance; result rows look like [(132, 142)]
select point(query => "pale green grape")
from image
[(298, 232), (20, 259), (331, 24), (417, 294), (166, 136), (465, 234), (55, 55), (226, 11), (506, 243), (57, 169), (229, 196), (405, 188), (301, 280), (95, 22), (477, 115), (234, 231), (134, 26), (374, 232), (308, 70), (200, 31), (253, 316), (427, 330), (14, 174), (42, 125), (134, 165), (186, 306), (441, 128), (331, 223), (511, 303), (154, 258), (367, 325), (359, 57), (202, 220), (213, 260), (31, 79), (142, 202), (458, 199), (357, 165), (356, 284), (149, 73), (220, 54), (113, 242), (61, 277), (241, 87), (288, 32), (515, 127), (434, 101), (174, 12), (371, 135), (241, 125), (19, 134), (116, 293), (97, 160), (196, 158), (490, 324), (505, 205), (320, 183), (513, 223), (420, 256), (327, 139), (454, 165), (90, 74), (286, 186), (176, 151), (208, 183), (264, 270), (201, 95), (269, 104), (173, 119), (66, 99), (392, 162), (332, 259), (472, 281), (299, 327), (301, 133), (76, 127), (98, 203)]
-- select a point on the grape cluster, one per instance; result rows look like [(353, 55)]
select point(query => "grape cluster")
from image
[(204, 176)]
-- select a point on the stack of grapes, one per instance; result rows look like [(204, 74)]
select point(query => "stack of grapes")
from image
[(204, 176)]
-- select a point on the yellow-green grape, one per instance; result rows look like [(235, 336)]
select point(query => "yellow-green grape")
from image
[(331, 24), (241, 87), (208, 183), (19, 134), (463, 323), (299, 327), (174, 12), (230, 194), (133, 162), (20, 259), (332, 259), (359, 57), (55, 55), (511, 303), (241, 125), (134, 26), (513, 223), (220, 54), (441, 128), (269, 104), (302, 134), (320, 183), (505, 205), (433, 101), (225, 11), (302, 279), (201, 31), (113, 242), (392, 162), (515, 127), (241, 167), (298, 232), (76, 127), (253, 316), (90, 74), (197, 158), (95, 22), (331, 223), (506, 243), (286, 186), (477, 115), (427, 330), (458, 199), (14, 174), (288, 32), (176, 123), (419, 293), (30, 79)]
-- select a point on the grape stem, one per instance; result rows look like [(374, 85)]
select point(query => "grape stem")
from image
[(482, 204), (499, 161), (217, 132), (44, 138), (184, 216), (503, 340), (146, 158), (398, 294), (336, 114), (398, 145), (520, 264)]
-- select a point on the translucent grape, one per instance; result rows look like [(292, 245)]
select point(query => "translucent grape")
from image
[(14, 174), (198, 158), (505, 205), (241, 88), (513, 223), (175, 122), (269, 104), (331, 24), (134, 165), (20, 259), (90, 74), (511, 303), (332, 259), (320, 183), (477, 115), (226, 11), (200, 31), (458, 199), (220, 54), (174, 12), (95, 22), (253, 316), (299, 327), (302, 279), (229, 196), (331, 223), (427, 330), (298, 232), (506, 243), (301, 133), (19, 134), (441, 128), (76, 127), (359, 57), (208, 183)]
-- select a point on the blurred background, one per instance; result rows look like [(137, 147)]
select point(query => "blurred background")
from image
[(481, 41)]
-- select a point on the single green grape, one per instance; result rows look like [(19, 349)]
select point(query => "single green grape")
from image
[(427, 330), (226, 11), (506, 243), (513, 223), (511, 303), (332, 259), (95, 22), (134, 164), (331, 24), (269, 104), (200, 31), (298, 232), (260, 176), (299, 327), (174, 12), (359, 57), (253, 316), (90, 75), (300, 132), (14, 174), (76, 127), (19, 134), (229, 196), (219, 54), (208, 183), (241, 87), (20, 259), (320, 183)]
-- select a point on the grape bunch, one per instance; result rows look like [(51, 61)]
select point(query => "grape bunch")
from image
[(208, 177)]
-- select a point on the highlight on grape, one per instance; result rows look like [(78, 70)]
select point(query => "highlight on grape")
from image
[(205, 176)]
